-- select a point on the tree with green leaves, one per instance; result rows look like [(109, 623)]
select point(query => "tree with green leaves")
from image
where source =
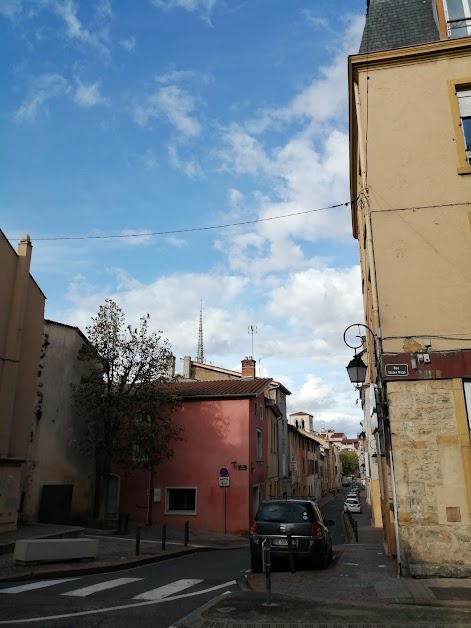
[(349, 460), (126, 398)]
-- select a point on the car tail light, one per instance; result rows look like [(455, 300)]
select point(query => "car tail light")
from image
[(316, 531), (254, 529)]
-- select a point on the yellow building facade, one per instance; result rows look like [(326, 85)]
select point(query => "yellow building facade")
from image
[(410, 141)]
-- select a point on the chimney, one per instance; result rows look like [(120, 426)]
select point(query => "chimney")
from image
[(171, 366), (187, 367), (248, 367)]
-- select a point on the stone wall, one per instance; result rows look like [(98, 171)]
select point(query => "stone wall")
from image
[(431, 482)]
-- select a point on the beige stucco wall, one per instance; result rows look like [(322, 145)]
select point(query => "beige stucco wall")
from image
[(21, 321), (422, 256), (54, 457), (430, 471)]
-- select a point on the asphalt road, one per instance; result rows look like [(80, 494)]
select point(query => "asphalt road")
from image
[(334, 510), (155, 595)]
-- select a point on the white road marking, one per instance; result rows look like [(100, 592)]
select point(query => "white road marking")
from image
[(41, 584), (168, 589), (10, 622), (100, 586)]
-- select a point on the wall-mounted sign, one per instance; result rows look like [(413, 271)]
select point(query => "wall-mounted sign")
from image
[(396, 370), (293, 465), (224, 472), (224, 481), (242, 467)]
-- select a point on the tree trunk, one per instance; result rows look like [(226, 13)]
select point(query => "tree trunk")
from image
[(104, 492)]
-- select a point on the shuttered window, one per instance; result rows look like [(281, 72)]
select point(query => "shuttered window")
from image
[(464, 106)]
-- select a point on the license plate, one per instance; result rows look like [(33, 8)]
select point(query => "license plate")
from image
[(283, 542)]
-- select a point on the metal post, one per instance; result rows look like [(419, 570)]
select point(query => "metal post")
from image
[(187, 532), (225, 510), (291, 554), (164, 535), (138, 540), (355, 527), (267, 568)]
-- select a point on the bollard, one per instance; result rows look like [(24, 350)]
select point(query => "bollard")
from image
[(164, 535), (355, 527), (292, 565), (267, 568), (187, 532), (138, 540)]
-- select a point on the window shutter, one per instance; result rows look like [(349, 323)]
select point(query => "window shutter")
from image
[(464, 103)]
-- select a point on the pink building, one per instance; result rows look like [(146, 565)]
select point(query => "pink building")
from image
[(224, 428)]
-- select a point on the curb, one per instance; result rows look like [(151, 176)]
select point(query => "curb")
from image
[(86, 571)]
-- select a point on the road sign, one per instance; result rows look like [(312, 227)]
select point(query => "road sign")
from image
[(224, 472), (396, 370), (224, 481)]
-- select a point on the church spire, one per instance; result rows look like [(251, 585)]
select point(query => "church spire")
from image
[(200, 351)]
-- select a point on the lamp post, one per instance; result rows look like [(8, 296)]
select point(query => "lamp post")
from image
[(356, 368)]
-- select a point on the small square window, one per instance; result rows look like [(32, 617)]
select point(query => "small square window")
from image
[(180, 501)]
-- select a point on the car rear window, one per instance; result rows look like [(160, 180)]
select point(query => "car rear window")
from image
[(284, 511)]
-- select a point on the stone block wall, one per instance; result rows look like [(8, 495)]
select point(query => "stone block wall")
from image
[(431, 478)]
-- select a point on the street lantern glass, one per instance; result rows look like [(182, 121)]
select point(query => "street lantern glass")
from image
[(356, 370)]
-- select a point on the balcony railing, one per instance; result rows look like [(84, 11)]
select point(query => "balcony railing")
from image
[(459, 28)]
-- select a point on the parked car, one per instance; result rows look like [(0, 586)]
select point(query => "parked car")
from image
[(355, 494), (352, 504), (299, 518)]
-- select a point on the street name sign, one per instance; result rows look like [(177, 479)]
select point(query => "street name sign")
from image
[(396, 370)]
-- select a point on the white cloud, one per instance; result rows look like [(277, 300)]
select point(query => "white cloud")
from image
[(43, 89), (203, 7), (128, 44), (172, 104), (137, 237), (96, 36), (88, 95), (11, 8), (189, 167)]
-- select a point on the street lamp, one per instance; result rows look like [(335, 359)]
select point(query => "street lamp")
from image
[(356, 370)]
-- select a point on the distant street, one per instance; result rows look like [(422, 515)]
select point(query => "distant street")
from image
[(155, 595)]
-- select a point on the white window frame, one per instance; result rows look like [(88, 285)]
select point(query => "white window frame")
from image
[(180, 512), (466, 6), (458, 90)]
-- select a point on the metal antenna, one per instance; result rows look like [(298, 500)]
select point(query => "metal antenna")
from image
[(252, 330), (200, 351)]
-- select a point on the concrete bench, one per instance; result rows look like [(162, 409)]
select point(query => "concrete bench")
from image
[(54, 550)]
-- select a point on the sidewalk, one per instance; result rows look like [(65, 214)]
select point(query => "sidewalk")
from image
[(361, 574), (115, 552)]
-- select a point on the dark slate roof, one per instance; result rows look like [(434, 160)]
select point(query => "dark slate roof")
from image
[(394, 24), (245, 387)]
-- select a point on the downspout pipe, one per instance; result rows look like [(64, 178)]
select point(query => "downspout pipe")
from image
[(396, 522)]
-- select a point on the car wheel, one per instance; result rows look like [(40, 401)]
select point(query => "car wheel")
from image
[(330, 556), (256, 563)]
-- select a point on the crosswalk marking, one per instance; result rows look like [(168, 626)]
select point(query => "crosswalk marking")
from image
[(165, 591), (100, 586), (41, 584)]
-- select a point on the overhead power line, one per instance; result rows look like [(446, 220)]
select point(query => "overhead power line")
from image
[(240, 224)]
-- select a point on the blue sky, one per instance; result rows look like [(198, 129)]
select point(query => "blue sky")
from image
[(172, 118)]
